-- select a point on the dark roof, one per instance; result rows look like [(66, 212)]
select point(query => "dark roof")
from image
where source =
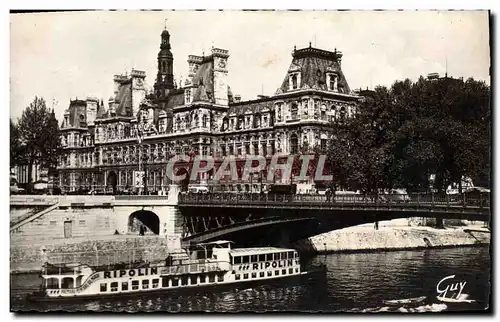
[(204, 82), (252, 106), (176, 98), (124, 99), (313, 64), (77, 113)]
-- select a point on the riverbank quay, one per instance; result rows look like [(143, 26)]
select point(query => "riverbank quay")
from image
[(395, 235), (29, 257)]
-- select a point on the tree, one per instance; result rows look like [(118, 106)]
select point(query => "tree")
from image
[(15, 145), (402, 135), (39, 137)]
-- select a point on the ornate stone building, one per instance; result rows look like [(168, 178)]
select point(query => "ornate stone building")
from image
[(103, 146)]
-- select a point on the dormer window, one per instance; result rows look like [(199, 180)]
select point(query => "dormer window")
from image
[(333, 82), (294, 79)]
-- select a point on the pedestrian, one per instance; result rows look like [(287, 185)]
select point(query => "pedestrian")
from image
[(376, 225)]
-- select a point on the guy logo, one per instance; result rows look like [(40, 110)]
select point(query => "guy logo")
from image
[(446, 285)]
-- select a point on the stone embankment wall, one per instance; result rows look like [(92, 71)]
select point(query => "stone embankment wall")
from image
[(393, 238), (26, 258)]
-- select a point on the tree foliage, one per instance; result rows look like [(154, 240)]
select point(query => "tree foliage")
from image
[(402, 135), (35, 139)]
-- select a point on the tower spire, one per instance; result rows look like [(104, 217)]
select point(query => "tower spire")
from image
[(165, 28), (165, 76)]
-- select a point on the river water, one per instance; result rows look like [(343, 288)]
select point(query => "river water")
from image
[(358, 282)]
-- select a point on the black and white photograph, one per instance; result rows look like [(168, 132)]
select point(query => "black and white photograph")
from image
[(250, 161)]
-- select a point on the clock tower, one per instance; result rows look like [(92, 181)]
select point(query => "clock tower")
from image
[(165, 76)]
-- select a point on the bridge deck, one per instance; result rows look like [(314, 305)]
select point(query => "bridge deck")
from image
[(427, 203)]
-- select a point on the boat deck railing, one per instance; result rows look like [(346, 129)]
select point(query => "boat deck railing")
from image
[(209, 266)]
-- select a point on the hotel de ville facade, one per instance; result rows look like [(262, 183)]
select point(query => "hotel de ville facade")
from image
[(105, 142)]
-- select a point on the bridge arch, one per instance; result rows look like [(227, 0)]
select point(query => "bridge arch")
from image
[(143, 222)]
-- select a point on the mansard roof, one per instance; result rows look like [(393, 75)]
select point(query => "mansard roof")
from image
[(250, 106), (203, 81), (313, 65), (124, 99), (76, 113), (175, 98)]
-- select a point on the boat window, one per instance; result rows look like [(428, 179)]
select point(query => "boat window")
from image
[(290, 255), (114, 287), (283, 272), (203, 278), (124, 286), (135, 285), (276, 272), (164, 281), (145, 284), (253, 258), (104, 287), (184, 280), (269, 273), (52, 283), (290, 271), (155, 282), (237, 277), (245, 276), (283, 255), (237, 260), (295, 255), (175, 281), (269, 257), (296, 270), (211, 278), (194, 280), (261, 274), (262, 258), (246, 259), (254, 275), (276, 257), (220, 278)]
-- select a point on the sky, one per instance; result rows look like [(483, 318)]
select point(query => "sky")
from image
[(63, 56)]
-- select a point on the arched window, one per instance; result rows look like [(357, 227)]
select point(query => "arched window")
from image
[(323, 112), (164, 66), (294, 111), (225, 123), (294, 81), (294, 144), (178, 123), (342, 112)]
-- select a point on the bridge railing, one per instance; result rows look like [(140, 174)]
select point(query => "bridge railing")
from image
[(140, 197), (463, 200)]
